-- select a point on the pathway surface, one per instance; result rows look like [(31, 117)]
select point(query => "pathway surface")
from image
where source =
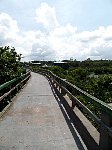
[(35, 121)]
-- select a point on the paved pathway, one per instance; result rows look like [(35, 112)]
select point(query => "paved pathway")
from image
[(35, 121)]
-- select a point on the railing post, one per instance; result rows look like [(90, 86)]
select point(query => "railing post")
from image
[(58, 81), (59, 86), (105, 142), (56, 85), (60, 89), (17, 88), (10, 94), (51, 80), (73, 103), (63, 92)]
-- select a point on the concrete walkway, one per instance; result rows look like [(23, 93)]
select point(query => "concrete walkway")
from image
[(35, 121)]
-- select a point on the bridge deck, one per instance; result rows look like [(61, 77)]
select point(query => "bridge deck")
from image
[(35, 121)]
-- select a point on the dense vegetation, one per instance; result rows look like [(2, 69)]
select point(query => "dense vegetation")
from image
[(95, 77), (10, 66)]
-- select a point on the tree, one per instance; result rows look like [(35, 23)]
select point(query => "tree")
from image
[(10, 66)]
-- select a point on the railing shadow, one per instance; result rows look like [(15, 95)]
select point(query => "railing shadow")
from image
[(73, 121)]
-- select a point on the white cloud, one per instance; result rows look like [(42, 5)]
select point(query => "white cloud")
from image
[(67, 30), (8, 29), (102, 51), (60, 42), (47, 16)]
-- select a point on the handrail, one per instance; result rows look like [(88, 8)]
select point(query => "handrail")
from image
[(90, 98), (91, 114), (6, 84), (94, 100), (105, 122), (97, 120), (21, 79)]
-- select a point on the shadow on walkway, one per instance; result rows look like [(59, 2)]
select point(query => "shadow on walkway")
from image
[(74, 123)]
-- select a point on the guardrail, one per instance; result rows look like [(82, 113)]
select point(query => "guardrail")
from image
[(9, 89), (104, 122)]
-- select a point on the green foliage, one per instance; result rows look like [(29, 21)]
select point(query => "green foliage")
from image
[(58, 71), (94, 77), (10, 66), (102, 88)]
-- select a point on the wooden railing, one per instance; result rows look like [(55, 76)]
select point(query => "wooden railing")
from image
[(9, 89), (104, 122)]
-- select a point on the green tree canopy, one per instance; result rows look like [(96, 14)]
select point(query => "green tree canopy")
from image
[(10, 66)]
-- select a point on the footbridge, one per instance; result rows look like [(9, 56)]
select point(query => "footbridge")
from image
[(40, 111)]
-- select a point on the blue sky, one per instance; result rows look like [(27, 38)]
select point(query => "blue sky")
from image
[(58, 29), (85, 14)]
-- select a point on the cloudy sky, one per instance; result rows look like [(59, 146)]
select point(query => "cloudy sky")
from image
[(57, 29)]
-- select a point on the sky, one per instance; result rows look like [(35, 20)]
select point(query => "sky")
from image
[(57, 29)]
